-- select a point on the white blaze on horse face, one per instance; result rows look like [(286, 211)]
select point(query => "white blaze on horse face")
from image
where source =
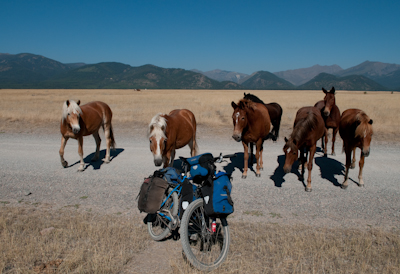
[(237, 117), (74, 122)]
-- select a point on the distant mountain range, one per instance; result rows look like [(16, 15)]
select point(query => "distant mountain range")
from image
[(27, 70)]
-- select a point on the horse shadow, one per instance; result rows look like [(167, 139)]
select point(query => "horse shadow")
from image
[(97, 164), (278, 175), (329, 168), (238, 162)]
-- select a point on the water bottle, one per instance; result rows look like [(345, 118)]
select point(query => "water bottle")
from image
[(214, 226)]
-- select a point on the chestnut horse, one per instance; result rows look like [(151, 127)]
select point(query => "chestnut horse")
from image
[(78, 121), (251, 124), (331, 114), (275, 114), (167, 133), (356, 131), (308, 128)]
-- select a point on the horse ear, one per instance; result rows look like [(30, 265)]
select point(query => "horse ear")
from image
[(79, 102), (233, 105), (324, 90), (332, 90), (67, 103), (370, 122)]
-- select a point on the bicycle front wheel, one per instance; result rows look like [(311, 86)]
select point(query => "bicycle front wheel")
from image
[(159, 226), (204, 249)]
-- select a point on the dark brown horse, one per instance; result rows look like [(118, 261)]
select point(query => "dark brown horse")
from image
[(275, 114), (251, 124), (170, 132), (356, 131), (308, 128), (331, 114), (78, 121)]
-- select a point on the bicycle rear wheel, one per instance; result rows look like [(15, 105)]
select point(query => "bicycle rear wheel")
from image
[(204, 249), (158, 225)]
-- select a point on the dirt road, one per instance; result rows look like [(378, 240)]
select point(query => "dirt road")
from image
[(30, 172)]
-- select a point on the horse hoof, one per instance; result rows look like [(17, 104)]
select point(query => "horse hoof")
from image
[(308, 189), (343, 186), (106, 161), (258, 175), (244, 176), (333, 154), (64, 164), (361, 185)]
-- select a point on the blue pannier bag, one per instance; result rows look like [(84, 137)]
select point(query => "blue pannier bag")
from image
[(217, 196), (169, 174), (201, 165)]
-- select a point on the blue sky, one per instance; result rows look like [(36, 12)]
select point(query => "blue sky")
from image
[(242, 36)]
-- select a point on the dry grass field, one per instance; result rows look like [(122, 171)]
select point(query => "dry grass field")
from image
[(85, 242), (26, 110)]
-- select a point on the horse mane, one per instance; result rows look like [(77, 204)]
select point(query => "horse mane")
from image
[(157, 126), (364, 127), (246, 103), (304, 126), (70, 106)]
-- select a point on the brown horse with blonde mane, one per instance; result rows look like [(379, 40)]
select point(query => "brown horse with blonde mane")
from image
[(331, 114), (251, 124), (167, 133), (356, 131), (78, 121), (308, 128)]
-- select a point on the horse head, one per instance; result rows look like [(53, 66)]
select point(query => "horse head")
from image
[(291, 154), (157, 138), (71, 115), (364, 132), (240, 120), (329, 101)]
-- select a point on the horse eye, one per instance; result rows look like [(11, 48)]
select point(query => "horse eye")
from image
[(242, 118), (150, 141)]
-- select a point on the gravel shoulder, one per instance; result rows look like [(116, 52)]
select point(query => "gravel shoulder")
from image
[(31, 173)]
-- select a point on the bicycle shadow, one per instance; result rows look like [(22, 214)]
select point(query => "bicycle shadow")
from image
[(97, 164)]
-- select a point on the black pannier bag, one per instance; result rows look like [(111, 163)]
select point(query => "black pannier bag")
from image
[(151, 194), (201, 167), (217, 197)]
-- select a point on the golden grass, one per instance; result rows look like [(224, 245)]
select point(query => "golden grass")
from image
[(211, 107), (89, 243)]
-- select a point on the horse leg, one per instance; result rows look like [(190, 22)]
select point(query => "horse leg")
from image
[(353, 162), (345, 183), (325, 142), (80, 152), (334, 132), (302, 160), (193, 147), (258, 158), (97, 139), (172, 158), (63, 143), (361, 164), (246, 159), (313, 149)]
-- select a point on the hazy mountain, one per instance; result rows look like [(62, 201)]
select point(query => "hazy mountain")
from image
[(351, 82), (266, 80), (383, 73), (301, 76), (222, 75)]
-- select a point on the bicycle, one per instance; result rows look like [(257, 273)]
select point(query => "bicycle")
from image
[(205, 240)]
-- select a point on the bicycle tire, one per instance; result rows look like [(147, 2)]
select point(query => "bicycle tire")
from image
[(204, 250), (159, 227)]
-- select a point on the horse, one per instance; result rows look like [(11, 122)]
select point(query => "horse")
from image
[(167, 133), (331, 114), (308, 128), (78, 121), (275, 113), (356, 131), (251, 124)]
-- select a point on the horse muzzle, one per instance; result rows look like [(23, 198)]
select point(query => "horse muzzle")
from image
[(157, 162), (366, 152), (237, 137), (326, 113), (75, 130)]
